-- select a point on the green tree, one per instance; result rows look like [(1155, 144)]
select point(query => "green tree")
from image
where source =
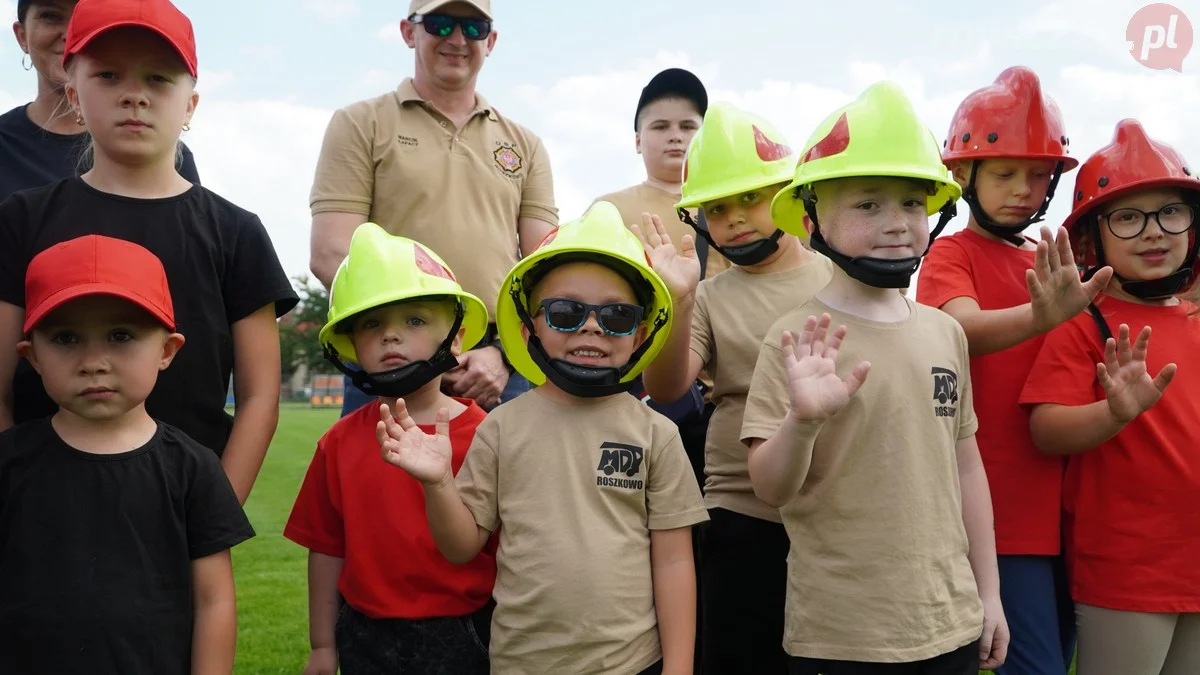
[(299, 329)]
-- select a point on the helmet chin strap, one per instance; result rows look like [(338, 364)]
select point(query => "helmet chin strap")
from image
[(1009, 233), (1148, 289), (874, 272), (574, 379), (408, 378), (745, 255)]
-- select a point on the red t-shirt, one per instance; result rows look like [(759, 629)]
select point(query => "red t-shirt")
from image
[(1026, 485), (1136, 498), (354, 505)]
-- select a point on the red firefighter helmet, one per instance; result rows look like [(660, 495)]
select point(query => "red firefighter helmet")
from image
[(1133, 161), (1009, 118)]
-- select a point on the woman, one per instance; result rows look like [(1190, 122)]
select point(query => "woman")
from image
[(41, 142)]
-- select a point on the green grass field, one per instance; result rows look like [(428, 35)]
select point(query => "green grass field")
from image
[(271, 571)]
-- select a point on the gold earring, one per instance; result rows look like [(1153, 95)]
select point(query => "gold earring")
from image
[(187, 126), (79, 119)]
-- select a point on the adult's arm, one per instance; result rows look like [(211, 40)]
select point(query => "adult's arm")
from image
[(11, 320), (330, 243), (538, 215), (342, 192)]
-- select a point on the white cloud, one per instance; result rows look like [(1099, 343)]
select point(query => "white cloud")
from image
[(332, 10), (210, 81), (374, 79), (390, 33), (261, 156)]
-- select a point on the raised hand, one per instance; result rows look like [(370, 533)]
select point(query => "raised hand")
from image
[(1127, 384), (424, 457), (679, 265), (1055, 290), (815, 390)]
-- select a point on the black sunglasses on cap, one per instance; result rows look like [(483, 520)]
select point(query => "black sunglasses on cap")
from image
[(442, 25)]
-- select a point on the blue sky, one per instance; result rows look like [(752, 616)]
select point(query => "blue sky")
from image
[(272, 71)]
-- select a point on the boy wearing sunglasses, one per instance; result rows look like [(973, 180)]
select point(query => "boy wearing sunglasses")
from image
[(892, 564), (591, 490), (735, 166), (397, 311)]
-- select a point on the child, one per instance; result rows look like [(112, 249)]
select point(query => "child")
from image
[(1007, 148), (115, 528), (1133, 478), (592, 489), (736, 165), (669, 112), (131, 73), (892, 567), (397, 310)]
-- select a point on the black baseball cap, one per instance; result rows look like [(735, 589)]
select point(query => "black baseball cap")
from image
[(673, 82)]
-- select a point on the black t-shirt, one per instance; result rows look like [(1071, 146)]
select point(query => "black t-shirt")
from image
[(32, 157), (96, 551), (221, 267)]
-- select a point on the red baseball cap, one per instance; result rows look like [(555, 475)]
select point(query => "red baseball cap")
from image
[(93, 17), (96, 265)]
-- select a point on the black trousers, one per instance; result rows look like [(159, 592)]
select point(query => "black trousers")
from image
[(744, 563), (961, 661), (453, 645), (693, 433)]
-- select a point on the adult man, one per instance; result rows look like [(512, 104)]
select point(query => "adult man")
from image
[(433, 161)]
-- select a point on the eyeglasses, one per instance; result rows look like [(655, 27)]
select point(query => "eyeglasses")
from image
[(1130, 223), (442, 25), (615, 318)]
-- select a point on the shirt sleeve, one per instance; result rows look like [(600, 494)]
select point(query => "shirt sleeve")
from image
[(1064, 371), (345, 177), (968, 422), (945, 275), (316, 520), (215, 519), (537, 195), (701, 339), (14, 222), (254, 277), (673, 498), (767, 402), (187, 167), (477, 480)]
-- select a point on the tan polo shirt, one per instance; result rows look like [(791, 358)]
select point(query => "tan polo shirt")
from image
[(576, 490), (878, 568), (400, 163), (632, 201), (729, 321)]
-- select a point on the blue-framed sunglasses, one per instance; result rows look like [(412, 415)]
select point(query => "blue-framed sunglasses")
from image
[(615, 318), (442, 25)]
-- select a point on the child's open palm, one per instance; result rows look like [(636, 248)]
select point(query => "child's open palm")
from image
[(1127, 384), (679, 266), (424, 457), (815, 390), (1056, 292)]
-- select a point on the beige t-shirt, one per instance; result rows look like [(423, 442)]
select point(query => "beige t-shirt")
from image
[(576, 490), (731, 316), (878, 568), (400, 163), (632, 201)]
